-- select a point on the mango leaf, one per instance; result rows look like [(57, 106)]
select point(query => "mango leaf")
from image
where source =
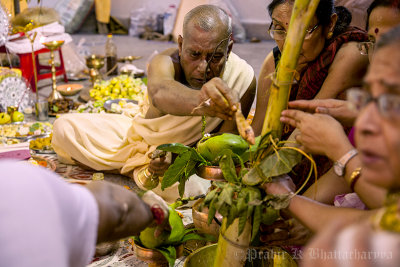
[(273, 165), (256, 222), (225, 196), (197, 157), (211, 211), (176, 170), (195, 236), (242, 222), (224, 210), (169, 253), (254, 194), (269, 215), (228, 168), (174, 148), (190, 168), (177, 227), (181, 187), (278, 202), (246, 156), (210, 196), (242, 201), (233, 212)]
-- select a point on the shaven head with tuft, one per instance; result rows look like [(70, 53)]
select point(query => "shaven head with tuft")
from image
[(208, 18)]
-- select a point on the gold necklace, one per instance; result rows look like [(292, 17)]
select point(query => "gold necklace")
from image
[(388, 218)]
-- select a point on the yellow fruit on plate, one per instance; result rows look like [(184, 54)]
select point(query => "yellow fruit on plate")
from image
[(17, 116), (4, 118)]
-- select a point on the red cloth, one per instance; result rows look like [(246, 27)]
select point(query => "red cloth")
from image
[(310, 83)]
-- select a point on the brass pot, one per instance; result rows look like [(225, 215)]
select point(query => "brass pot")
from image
[(269, 256), (153, 257), (204, 256), (200, 220)]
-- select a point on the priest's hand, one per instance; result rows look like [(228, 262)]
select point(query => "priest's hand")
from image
[(217, 100)]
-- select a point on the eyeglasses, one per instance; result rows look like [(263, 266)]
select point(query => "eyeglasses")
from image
[(366, 48), (388, 104), (281, 34)]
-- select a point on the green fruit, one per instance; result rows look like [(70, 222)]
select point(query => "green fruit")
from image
[(269, 216), (17, 116), (210, 148), (149, 241), (4, 118)]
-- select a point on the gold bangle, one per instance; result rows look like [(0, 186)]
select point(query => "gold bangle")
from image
[(355, 175)]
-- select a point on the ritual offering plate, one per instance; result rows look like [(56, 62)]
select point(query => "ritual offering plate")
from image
[(69, 89), (61, 106), (24, 131), (90, 107), (42, 145), (118, 105), (122, 86), (77, 77)]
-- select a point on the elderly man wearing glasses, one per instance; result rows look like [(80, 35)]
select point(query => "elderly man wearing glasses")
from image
[(202, 77)]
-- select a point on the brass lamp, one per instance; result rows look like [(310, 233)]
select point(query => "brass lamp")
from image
[(53, 45)]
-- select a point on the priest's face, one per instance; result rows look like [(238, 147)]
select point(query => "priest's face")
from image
[(203, 54)]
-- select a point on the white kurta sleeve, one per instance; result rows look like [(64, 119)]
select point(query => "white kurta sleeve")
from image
[(44, 221)]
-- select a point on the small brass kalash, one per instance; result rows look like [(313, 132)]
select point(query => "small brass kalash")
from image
[(95, 63), (53, 45), (147, 179), (153, 257)]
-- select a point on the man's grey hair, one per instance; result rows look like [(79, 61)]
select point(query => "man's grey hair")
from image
[(207, 17), (390, 37)]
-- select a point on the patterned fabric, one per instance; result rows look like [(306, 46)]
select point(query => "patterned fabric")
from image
[(308, 87), (317, 71)]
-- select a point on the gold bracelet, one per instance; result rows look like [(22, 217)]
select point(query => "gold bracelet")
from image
[(355, 175)]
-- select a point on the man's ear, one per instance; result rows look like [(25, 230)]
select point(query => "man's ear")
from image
[(230, 45), (180, 43)]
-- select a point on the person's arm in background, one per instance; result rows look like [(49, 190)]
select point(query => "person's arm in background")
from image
[(347, 70), (57, 224), (263, 87), (327, 187), (312, 214)]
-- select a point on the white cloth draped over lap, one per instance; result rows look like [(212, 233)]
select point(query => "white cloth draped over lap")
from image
[(108, 141)]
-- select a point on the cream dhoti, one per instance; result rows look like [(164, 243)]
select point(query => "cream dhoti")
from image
[(109, 142)]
